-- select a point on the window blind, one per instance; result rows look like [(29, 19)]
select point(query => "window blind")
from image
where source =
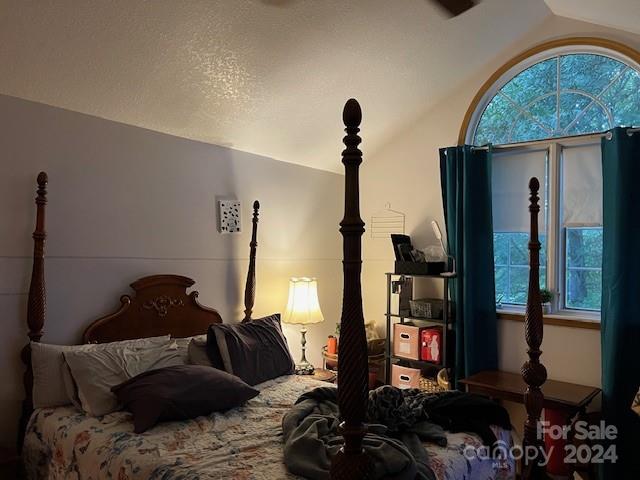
[(511, 171), (582, 186)]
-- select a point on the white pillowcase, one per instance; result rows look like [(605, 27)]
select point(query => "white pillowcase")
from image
[(50, 372), (197, 350), (182, 345), (95, 372), (175, 353), (49, 368)]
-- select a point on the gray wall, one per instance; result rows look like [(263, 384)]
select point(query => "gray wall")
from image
[(125, 202)]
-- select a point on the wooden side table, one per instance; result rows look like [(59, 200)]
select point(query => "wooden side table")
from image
[(570, 400), (9, 463), (376, 363), (324, 375)]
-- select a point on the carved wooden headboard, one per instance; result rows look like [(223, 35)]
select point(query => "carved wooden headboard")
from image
[(159, 306)]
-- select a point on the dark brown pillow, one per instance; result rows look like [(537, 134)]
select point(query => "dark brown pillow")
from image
[(255, 351), (180, 392)]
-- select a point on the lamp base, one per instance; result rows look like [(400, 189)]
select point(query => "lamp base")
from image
[(304, 369)]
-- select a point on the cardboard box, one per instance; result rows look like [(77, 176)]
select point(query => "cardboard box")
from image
[(405, 377), (406, 341)]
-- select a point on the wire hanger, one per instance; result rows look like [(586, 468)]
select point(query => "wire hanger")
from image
[(387, 221)]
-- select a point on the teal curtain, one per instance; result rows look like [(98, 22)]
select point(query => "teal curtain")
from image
[(620, 328), (465, 175)]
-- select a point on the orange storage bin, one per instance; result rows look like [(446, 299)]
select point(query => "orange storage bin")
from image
[(405, 377), (406, 341)]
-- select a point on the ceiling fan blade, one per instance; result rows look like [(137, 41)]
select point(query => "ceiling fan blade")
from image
[(455, 7)]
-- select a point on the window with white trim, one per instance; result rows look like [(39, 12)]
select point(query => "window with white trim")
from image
[(551, 108)]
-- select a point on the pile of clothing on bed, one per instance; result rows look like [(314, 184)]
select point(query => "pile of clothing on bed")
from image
[(399, 422)]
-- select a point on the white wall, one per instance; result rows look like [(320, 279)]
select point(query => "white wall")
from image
[(125, 202), (406, 173)]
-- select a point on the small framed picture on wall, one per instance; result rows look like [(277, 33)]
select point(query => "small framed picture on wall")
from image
[(229, 215)]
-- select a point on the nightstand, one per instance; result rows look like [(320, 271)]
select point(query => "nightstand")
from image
[(324, 375), (9, 463)]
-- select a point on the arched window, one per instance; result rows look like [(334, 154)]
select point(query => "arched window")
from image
[(559, 94), (544, 112)]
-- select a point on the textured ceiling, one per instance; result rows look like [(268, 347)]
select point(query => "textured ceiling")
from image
[(264, 76), (621, 14)]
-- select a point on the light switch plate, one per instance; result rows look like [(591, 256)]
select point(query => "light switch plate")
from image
[(229, 215)]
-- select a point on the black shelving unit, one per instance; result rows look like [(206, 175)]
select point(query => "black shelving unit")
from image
[(445, 322)]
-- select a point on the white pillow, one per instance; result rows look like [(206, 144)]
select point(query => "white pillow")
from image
[(48, 366), (198, 351), (70, 386), (49, 369), (182, 345), (200, 340), (96, 371), (175, 353), (184, 342), (169, 354)]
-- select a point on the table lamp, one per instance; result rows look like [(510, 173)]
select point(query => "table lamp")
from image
[(303, 309)]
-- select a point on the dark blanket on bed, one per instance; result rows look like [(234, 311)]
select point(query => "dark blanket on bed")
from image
[(399, 421), (452, 410)]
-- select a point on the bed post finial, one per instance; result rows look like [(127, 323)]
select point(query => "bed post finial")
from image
[(250, 286), (37, 302), (352, 461), (352, 115), (533, 372)]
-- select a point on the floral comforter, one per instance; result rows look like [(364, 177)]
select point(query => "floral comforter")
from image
[(243, 443)]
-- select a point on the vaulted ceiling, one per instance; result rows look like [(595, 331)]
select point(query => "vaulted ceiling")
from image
[(620, 14), (264, 76)]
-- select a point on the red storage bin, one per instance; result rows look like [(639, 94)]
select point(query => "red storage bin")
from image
[(431, 344)]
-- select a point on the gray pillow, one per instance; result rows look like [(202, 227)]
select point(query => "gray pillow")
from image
[(197, 351), (183, 345), (255, 351), (179, 393)]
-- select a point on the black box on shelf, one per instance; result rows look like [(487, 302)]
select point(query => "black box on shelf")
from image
[(420, 268), (411, 262)]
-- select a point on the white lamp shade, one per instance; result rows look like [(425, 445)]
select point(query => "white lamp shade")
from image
[(303, 306)]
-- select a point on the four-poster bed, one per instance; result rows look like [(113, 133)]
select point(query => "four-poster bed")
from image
[(160, 302), (533, 372), (160, 306), (352, 461)]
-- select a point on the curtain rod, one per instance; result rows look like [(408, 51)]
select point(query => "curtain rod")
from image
[(585, 136)]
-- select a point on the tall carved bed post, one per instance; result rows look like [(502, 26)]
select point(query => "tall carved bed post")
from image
[(37, 306), (250, 287), (533, 372), (352, 462)]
